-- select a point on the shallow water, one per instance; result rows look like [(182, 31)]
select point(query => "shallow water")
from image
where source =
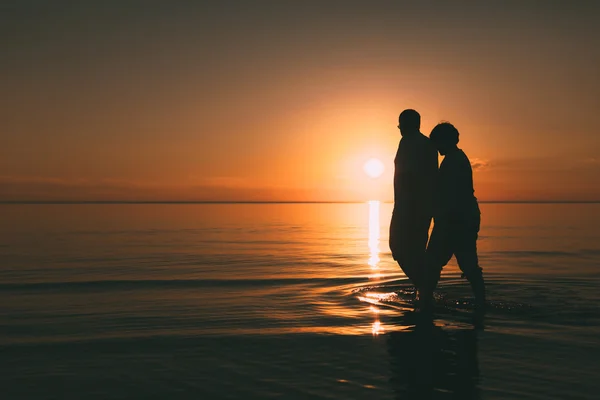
[(289, 300)]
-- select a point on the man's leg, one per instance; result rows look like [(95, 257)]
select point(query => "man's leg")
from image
[(439, 252), (401, 252), (418, 246), (408, 242)]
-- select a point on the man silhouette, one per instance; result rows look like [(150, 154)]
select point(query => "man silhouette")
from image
[(416, 165), (457, 216)]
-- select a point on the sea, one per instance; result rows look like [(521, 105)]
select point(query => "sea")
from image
[(289, 301)]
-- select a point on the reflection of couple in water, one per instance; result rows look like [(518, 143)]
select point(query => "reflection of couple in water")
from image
[(429, 362), (423, 192)]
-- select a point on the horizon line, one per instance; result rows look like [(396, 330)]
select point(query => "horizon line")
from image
[(73, 202)]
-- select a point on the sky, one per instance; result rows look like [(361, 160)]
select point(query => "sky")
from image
[(286, 100)]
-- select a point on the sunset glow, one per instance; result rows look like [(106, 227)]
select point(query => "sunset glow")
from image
[(284, 102)]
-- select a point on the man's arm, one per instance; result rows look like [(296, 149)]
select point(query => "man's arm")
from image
[(397, 175), (424, 178), (395, 221)]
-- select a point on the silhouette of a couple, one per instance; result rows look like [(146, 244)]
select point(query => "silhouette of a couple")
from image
[(423, 192)]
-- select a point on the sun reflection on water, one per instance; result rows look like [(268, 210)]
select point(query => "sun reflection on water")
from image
[(377, 328), (374, 236)]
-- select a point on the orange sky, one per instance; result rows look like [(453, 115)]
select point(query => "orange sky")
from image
[(269, 101)]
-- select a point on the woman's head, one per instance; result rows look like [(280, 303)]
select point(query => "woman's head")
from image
[(444, 137)]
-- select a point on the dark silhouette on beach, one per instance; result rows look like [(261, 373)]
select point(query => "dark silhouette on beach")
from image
[(456, 217), (416, 166), (429, 362)]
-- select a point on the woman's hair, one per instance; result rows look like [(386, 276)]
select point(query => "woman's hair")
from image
[(444, 132)]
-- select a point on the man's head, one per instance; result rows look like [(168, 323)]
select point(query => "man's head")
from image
[(444, 137), (409, 122)]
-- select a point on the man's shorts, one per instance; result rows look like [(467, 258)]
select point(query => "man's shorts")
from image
[(408, 240)]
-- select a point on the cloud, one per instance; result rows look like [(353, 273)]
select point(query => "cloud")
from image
[(479, 164), (592, 161), (221, 181), (546, 164), (51, 188), (29, 188)]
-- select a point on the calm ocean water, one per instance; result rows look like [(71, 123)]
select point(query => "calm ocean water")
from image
[(289, 301)]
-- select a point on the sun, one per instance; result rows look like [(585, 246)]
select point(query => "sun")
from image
[(374, 168)]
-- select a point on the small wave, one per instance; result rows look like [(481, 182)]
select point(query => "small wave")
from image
[(123, 284), (534, 253), (542, 253)]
